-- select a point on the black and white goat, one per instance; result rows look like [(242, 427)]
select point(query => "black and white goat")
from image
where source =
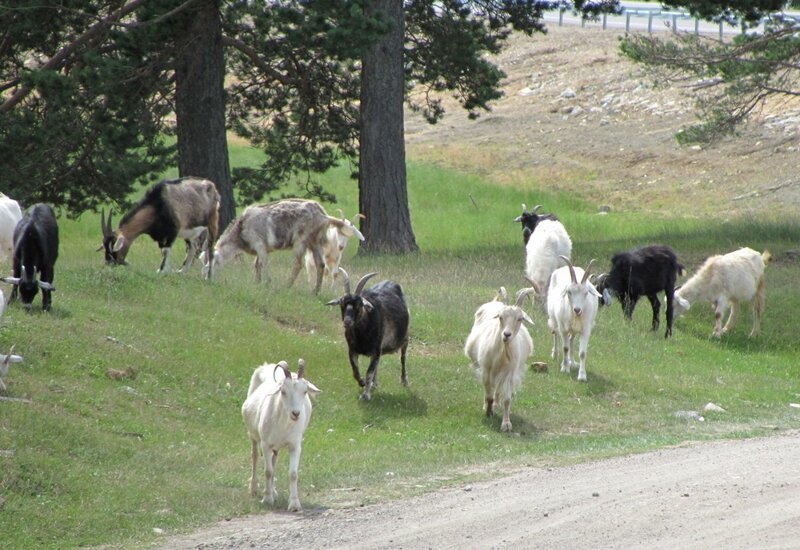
[(185, 207), (530, 220), (644, 271), (297, 224), (35, 253), (375, 322)]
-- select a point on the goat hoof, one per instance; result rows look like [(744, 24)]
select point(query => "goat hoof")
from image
[(365, 396), (295, 506), (505, 427)]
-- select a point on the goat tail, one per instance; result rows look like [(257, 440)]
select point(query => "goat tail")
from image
[(766, 257), (682, 271)]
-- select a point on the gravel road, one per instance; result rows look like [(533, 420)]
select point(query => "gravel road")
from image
[(726, 494)]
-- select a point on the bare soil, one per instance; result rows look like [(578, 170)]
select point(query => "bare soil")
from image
[(578, 117)]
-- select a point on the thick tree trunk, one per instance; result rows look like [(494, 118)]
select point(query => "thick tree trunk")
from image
[(200, 103), (383, 196)]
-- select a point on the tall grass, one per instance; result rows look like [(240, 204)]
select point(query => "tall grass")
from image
[(92, 460)]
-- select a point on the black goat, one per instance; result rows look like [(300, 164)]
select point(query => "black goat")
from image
[(35, 252), (644, 271), (185, 207), (529, 220), (375, 322)]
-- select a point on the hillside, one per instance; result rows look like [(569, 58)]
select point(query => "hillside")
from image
[(580, 117)]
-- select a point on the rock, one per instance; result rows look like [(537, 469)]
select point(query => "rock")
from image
[(604, 209), (524, 92), (539, 366), (568, 93), (689, 415), (711, 407)]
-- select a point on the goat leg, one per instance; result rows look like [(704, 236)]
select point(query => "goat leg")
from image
[(656, 304), (403, 374), (372, 372), (354, 364)]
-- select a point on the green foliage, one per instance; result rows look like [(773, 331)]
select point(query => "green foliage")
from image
[(96, 461)]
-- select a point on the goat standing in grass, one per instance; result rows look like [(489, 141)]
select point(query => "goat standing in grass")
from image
[(542, 254), (277, 412), (185, 208), (727, 280), (296, 224), (530, 220), (375, 323), (336, 240), (497, 347), (571, 310), (644, 271)]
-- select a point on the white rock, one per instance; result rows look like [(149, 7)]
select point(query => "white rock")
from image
[(711, 407), (568, 93)]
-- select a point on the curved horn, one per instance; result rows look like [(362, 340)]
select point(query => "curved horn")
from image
[(522, 294), (536, 208), (571, 268), (586, 273), (283, 365), (359, 216), (524, 207), (341, 214), (301, 368), (502, 295), (363, 281), (345, 279)]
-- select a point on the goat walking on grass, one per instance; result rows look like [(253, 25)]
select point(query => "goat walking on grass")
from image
[(727, 280), (497, 347), (277, 412)]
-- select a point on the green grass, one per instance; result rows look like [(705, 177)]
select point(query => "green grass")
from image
[(96, 461)]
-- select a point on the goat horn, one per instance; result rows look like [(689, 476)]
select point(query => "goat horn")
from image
[(363, 281), (283, 365), (341, 214), (536, 208), (521, 295), (301, 368), (571, 268), (586, 273), (524, 207), (502, 295), (345, 279)]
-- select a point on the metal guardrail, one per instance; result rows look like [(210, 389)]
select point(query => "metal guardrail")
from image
[(672, 16)]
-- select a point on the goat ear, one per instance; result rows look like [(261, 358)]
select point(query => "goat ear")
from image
[(10, 280), (312, 388), (683, 303), (119, 243), (335, 302), (46, 286), (367, 304), (527, 319)]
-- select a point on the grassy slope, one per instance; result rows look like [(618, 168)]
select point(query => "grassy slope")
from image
[(97, 461)]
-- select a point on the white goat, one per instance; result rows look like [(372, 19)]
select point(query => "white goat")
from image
[(276, 412), (10, 215), (727, 279), (546, 244), (5, 362), (571, 310), (336, 240), (497, 347)]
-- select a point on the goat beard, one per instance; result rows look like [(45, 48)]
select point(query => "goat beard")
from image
[(507, 349)]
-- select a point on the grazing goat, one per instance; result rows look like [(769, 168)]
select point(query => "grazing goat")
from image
[(277, 412), (728, 279), (530, 220), (184, 207), (290, 223), (5, 362), (644, 271), (542, 254), (335, 242), (10, 214), (497, 347), (571, 311), (35, 252), (375, 323)]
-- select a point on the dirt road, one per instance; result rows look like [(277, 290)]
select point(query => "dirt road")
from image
[(726, 494)]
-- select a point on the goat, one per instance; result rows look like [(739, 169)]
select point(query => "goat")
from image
[(571, 310), (10, 214), (276, 413), (498, 346), (375, 323), (184, 207), (542, 253), (727, 279), (530, 220), (644, 271), (5, 362), (334, 244), (35, 252), (289, 223)]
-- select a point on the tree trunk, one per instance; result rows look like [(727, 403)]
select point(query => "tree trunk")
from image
[(383, 196), (200, 103)]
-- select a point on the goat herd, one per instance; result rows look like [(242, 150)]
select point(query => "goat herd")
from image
[(376, 319)]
